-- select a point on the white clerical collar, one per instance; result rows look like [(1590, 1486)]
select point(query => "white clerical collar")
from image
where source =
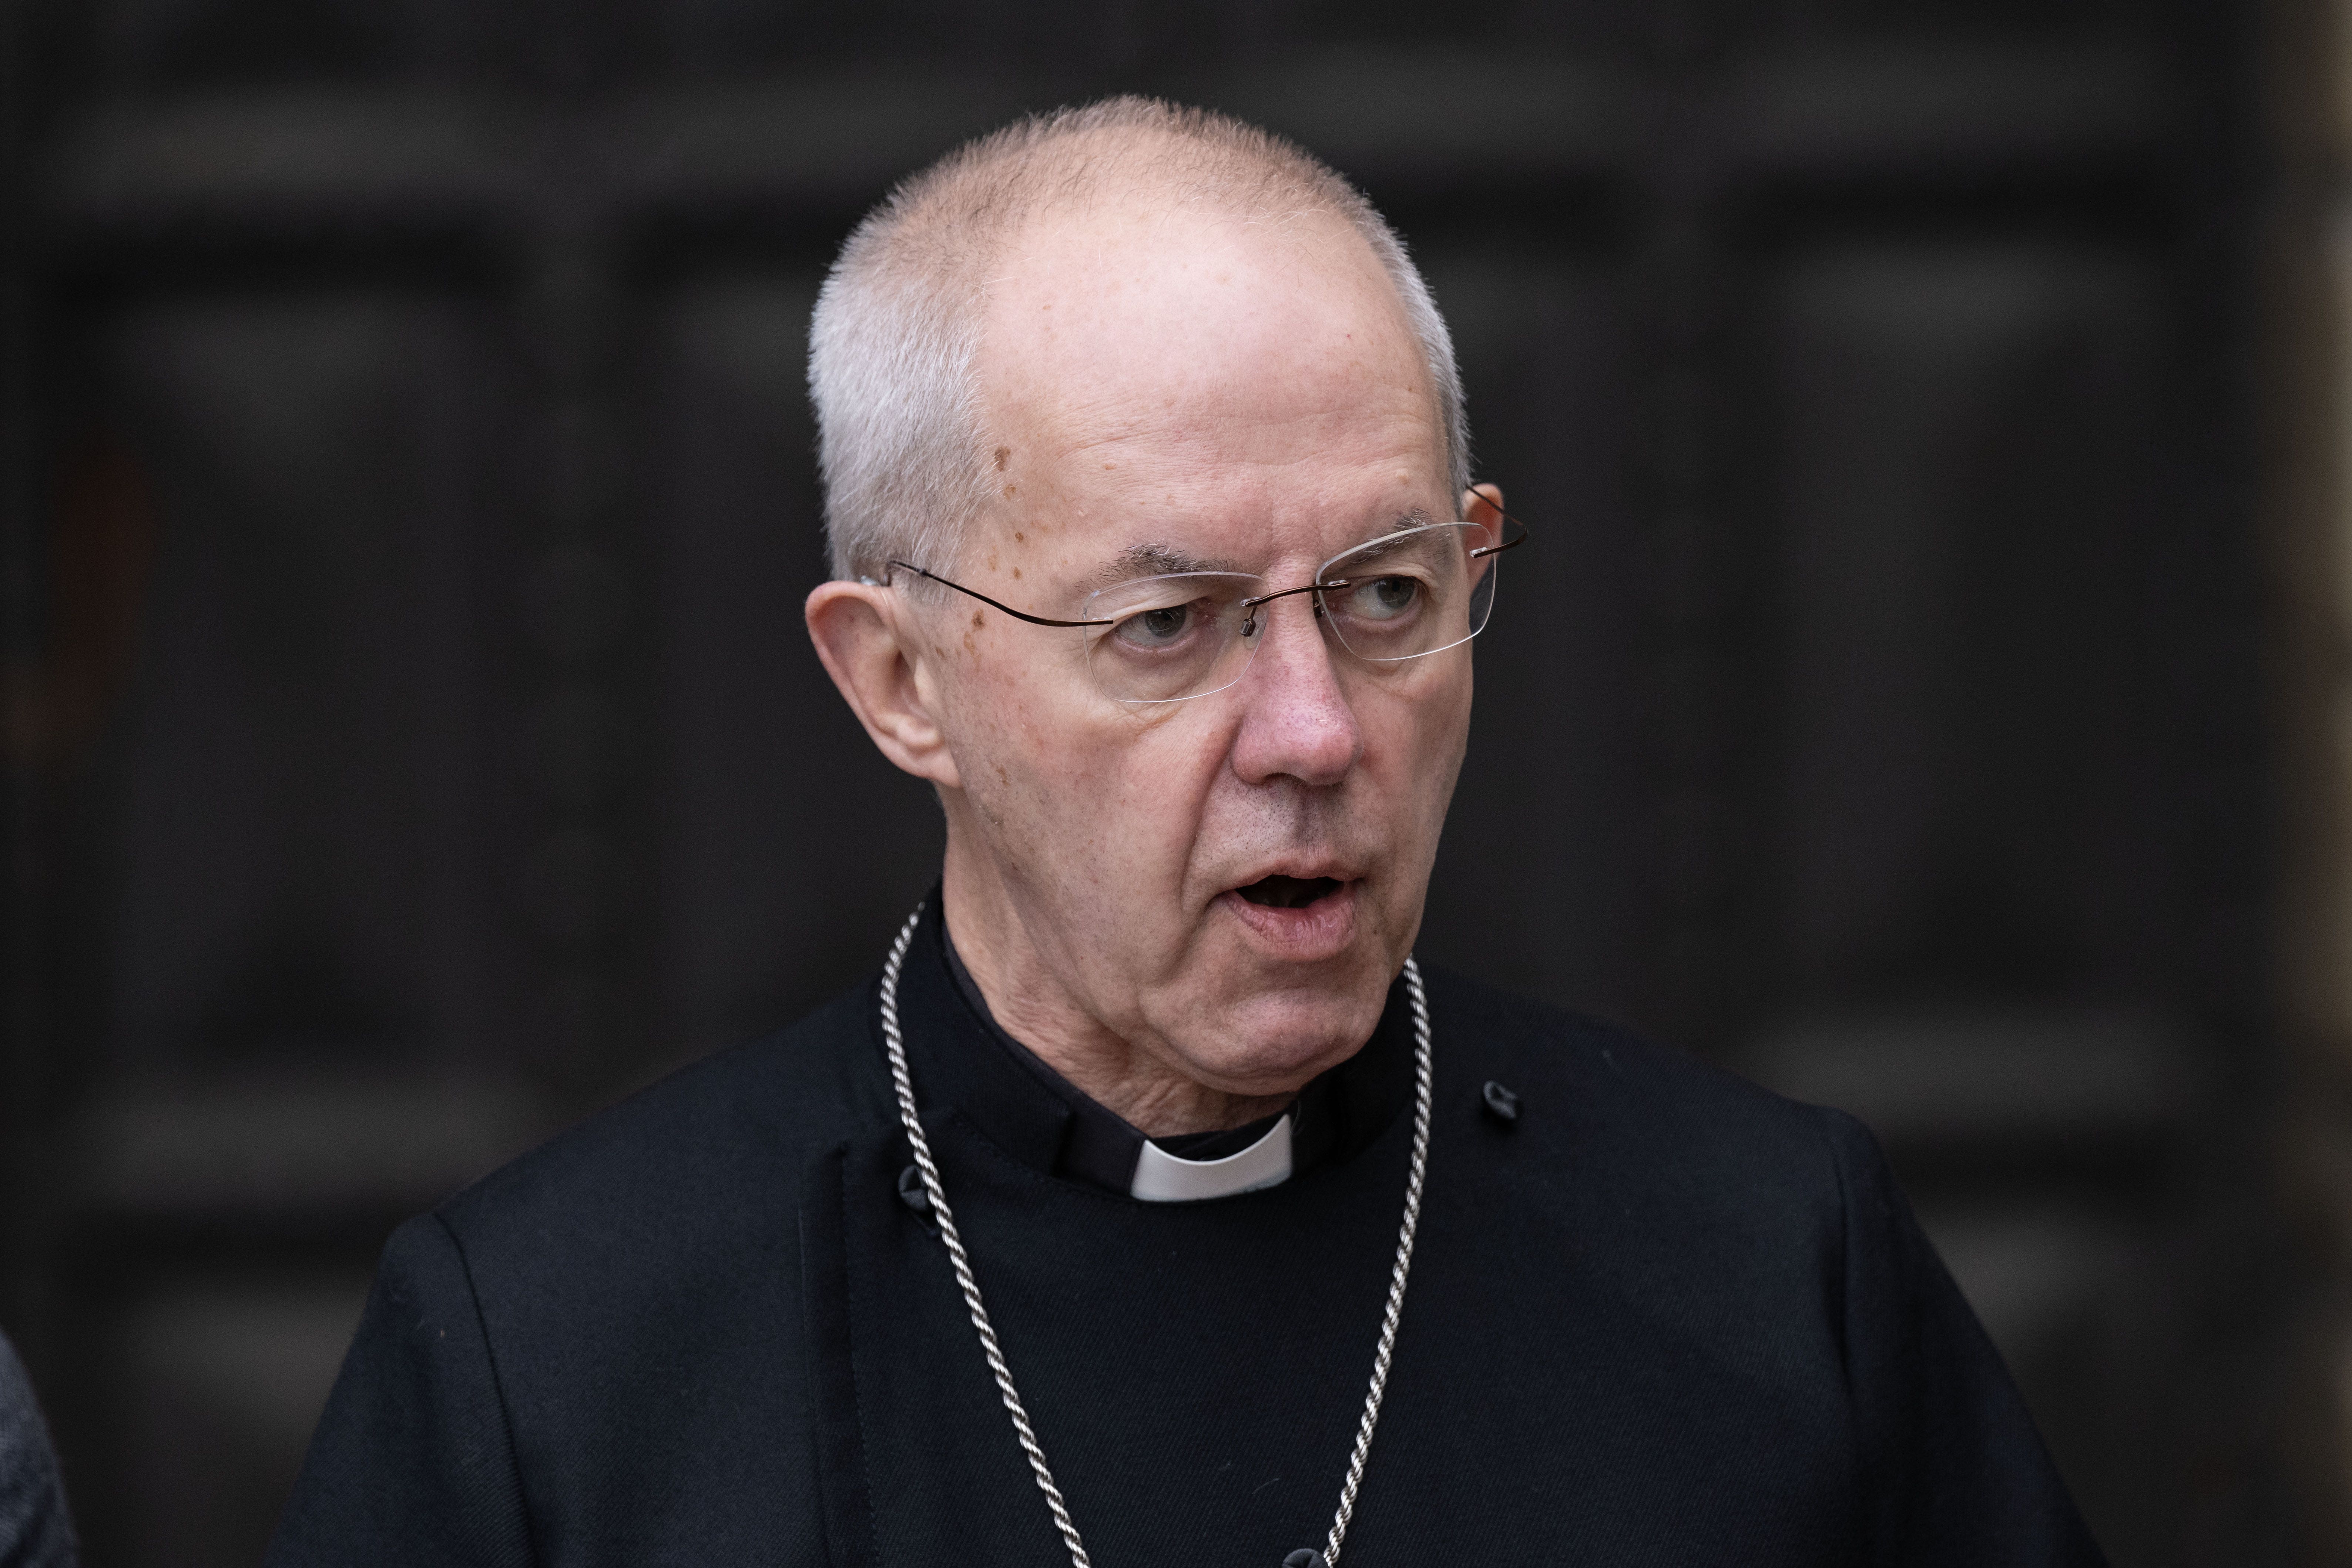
[(1163, 1178)]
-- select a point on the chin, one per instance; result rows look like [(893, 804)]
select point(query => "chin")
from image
[(1276, 1041)]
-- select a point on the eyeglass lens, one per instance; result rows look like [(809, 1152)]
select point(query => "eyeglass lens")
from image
[(1401, 597)]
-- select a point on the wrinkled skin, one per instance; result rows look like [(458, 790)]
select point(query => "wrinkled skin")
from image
[(1239, 393)]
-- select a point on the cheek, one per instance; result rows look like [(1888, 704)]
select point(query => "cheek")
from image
[(1418, 737), (1413, 751), (1098, 796), (1142, 797), (1172, 782), (993, 715)]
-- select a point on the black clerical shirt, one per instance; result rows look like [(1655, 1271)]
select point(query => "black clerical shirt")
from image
[(1660, 1318)]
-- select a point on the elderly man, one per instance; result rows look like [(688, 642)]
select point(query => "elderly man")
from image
[(1153, 1203)]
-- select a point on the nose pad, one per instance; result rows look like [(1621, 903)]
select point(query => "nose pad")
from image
[(1333, 652), (1249, 616)]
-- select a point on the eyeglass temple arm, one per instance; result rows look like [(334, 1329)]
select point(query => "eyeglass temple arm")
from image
[(1507, 544), (1016, 614)]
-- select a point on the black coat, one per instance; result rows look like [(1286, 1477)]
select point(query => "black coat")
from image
[(1664, 1318), (35, 1530)]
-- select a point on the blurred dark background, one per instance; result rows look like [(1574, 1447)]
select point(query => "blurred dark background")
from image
[(412, 742)]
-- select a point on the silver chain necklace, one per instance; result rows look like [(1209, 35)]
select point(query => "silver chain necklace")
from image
[(957, 1256)]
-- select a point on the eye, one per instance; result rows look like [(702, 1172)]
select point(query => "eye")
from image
[(1384, 598), (1155, 628)]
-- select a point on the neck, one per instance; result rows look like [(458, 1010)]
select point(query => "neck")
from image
[(1035, 1006)]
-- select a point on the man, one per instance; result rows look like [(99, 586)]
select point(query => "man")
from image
[(1151, 1204), (35, 1531)]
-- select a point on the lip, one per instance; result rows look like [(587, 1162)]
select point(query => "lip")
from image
[(1321, 929)]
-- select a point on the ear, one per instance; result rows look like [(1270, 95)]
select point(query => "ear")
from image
[(1483, 504), (875, 656)]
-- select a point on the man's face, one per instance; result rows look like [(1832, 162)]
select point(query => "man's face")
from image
[(1245, 395)]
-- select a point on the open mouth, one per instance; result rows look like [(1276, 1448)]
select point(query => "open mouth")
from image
[(1288, 892)]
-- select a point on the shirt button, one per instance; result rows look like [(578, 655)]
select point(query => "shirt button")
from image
[(1305, 1557), (1501, 1103), (913, 1194)]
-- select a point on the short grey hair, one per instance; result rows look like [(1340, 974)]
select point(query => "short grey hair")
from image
[(897, 329)]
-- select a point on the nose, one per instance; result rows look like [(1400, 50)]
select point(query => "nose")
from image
[(1296, 720)]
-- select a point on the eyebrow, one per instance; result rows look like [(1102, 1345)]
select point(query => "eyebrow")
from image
[(1155, 561), (1403, 522), (1166, 561)]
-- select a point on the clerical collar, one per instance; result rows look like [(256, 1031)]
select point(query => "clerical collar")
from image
[(1104, 1149), (1039, 1116)]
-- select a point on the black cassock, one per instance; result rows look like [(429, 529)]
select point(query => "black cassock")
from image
[(1664, 1318)]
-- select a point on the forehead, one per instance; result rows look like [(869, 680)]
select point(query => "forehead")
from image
[(1174, 351)]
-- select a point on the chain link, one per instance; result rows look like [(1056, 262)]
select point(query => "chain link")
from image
[(903, 1081)]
